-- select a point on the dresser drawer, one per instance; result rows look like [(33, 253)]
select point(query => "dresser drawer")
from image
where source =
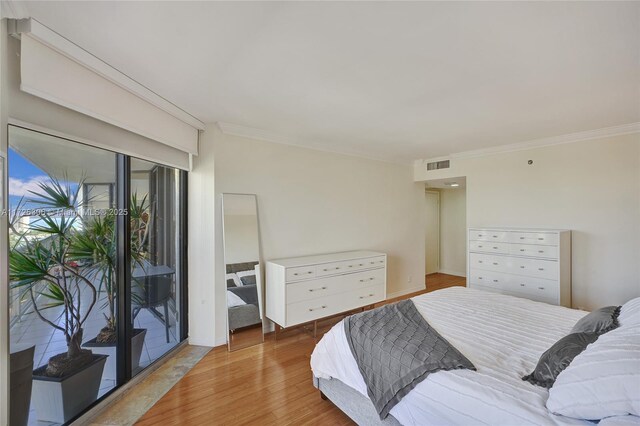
[(495, 280), (489, 247), (488, 235), (537, 268), (367, 278), (540, 238), (549, 252), (300, 273), (366, 296), (375, 262), (548, 289), (312, 289), (489, 262), (310, 310), (331, 268), (319, 287)]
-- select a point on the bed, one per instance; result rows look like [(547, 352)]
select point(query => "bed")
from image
[(242, 299), (503, 336)]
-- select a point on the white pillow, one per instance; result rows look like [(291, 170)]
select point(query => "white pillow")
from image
[(602, 381), (234, 300), (235, 278), (630, 313)]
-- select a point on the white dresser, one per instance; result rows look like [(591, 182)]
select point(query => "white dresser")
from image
[(530, 263), (304, 289)]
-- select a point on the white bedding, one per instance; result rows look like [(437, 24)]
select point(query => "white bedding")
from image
[(503, 336)]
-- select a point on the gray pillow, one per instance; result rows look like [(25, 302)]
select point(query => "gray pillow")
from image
[(558, 357), (599, 321), (248, 280)]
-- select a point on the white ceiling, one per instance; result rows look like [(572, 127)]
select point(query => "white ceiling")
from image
[(390, 80)]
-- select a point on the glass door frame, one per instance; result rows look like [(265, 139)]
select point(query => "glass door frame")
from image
[(122, 199)]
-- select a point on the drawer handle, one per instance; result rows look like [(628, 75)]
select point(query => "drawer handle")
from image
[(495, 236), (540, 239), (495, 248), (495, 281), (479, 235), (368, 279), (540, 251), (521, 249), (378, 261), (540, 269), (316, 309), (540, 288), (317, 289), (479, 278), (479, 246), (495, 263), (522, 238), (296, 274), (479, 261), (364, 297), (331, 269), (521, 267), (521, 285)]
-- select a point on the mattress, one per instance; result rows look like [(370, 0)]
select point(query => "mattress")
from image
[(503, 336)]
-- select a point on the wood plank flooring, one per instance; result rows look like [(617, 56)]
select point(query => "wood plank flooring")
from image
[(267, 384)]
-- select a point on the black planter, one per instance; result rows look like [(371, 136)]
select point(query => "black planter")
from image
[(109, 349), (59, 399), (21, 374)]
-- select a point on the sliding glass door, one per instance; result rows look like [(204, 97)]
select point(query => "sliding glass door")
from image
[(155, 260), (96, 269)]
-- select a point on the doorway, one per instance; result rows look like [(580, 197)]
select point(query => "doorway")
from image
[(445, 233), (432, 233)]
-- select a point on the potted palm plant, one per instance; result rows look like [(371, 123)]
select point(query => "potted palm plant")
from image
[(44, 270), (95, 246)]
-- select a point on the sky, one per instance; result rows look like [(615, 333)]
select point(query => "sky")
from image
[(23, 177)]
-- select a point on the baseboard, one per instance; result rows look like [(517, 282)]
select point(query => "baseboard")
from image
[(210, 343), (404, 292), (450, 272)]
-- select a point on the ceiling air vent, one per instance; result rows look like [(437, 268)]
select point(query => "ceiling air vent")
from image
[(437, 165)]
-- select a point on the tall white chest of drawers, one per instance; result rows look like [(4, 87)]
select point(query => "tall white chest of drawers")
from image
[(529, 263), (304, 289)]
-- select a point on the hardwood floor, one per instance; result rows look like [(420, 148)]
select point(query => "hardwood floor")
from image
[(439, 281), (266, 384)]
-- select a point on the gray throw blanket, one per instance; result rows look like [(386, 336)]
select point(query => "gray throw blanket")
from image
[(396, 348)]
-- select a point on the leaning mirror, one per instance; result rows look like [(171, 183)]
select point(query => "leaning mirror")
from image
[(242, 270)]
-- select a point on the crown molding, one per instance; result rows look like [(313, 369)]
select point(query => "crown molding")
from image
[(624, 129), (273, 137)]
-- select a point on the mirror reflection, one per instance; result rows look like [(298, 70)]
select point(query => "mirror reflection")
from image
[(242, 267)]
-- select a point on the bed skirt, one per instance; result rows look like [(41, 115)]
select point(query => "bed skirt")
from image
[(355, 405)]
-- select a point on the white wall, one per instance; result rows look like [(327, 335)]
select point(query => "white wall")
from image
[(312, 202), (201, 247), (453, 231), (591, 187)]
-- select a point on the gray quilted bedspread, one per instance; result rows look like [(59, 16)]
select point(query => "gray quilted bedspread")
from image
[(396, 348)]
